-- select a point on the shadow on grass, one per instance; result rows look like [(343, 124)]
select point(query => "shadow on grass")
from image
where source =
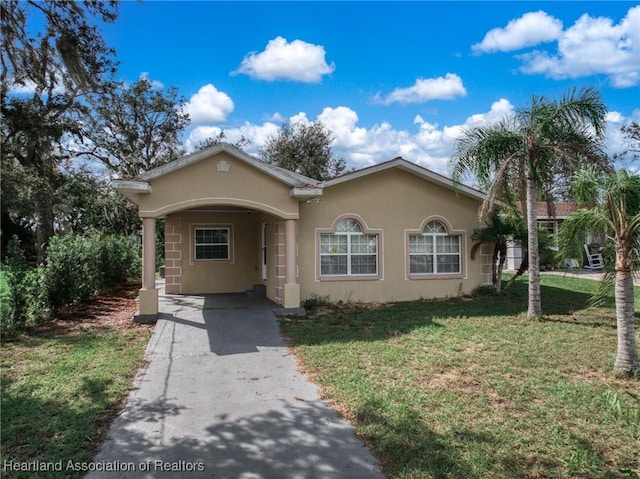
[(362, 322), (36, 427), (409, 448)]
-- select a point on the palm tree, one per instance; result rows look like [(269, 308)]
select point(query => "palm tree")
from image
[(614, 211), (525, 154), (504, 226)]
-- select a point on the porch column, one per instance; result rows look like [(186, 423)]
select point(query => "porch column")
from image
[(148, 294), (291, 286)]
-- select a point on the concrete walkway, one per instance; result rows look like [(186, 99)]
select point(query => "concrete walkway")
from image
[(222, 398)]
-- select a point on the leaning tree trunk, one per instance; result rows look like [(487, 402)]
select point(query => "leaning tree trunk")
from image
[(627, 356), (535, 302)]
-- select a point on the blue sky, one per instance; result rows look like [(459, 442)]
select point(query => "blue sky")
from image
[(388, 78)]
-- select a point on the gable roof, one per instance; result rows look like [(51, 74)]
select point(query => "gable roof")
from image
[(301, 186), (287, 177), (412, 168)]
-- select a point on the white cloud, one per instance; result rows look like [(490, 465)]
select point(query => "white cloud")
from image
[(616, 142), (614, 117), (341, 121), (530, 29), (299, 118), (155, 84), (209, 105), (427, 143), (28, 87), (426, 89), (281, 60), (593, 46), (199, 134), (257, 134)]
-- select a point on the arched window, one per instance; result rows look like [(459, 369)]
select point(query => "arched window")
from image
[(434, 251), (348, 251)]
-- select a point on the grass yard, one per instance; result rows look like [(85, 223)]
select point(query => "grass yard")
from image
[(469, 388), (62, 384)]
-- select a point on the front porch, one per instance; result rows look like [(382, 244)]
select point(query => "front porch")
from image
[(231, 223), (255, 252)]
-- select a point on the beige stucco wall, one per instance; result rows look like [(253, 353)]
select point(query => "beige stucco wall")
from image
[(219, 180), (238, 274), (391, 201), (186, 276)]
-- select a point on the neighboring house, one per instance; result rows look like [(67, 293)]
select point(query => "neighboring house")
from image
[(390, 232), (550, 222)]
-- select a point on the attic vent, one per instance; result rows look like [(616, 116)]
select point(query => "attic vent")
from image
[(223, 166)]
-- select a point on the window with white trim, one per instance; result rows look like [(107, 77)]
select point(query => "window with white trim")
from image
[(348, 251), (434, 251), (211, 243)]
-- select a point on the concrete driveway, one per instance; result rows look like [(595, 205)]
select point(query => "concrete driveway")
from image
[(222, 398)]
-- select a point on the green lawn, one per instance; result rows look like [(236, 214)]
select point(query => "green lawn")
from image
[(469, 388), (62, 385)]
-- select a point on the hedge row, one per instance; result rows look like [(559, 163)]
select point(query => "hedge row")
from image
[(77, 267)]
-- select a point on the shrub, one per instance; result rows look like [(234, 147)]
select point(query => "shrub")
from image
[(315, 302), (80, 266), (6, 302), (71, 274), (36, 299), (77, 268), (483, 290), (24, 296), (120, 260)]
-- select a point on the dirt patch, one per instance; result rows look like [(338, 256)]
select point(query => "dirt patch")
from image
[(443, 380), (114, 308)]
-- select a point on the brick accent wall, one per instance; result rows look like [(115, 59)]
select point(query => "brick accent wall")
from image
[(280, 261), (173, 255), (486, 253)]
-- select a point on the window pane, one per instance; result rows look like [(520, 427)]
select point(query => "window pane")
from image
[(363, 264), (212, 252), (363, 243), (220, 236), (333, 264), (435, 227), (421, 264), (447, 244), (211, 243), (349, 226), (448, 264), (420, 244), (333, 244)]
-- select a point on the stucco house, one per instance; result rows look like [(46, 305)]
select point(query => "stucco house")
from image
[(233, 223)]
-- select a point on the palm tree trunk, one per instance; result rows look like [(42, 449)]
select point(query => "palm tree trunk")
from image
[(627, 357), (501, 262), (535, 302)]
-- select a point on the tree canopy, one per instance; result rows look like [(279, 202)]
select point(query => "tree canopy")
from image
[(55, 72), (134, 128), (306, 149)]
